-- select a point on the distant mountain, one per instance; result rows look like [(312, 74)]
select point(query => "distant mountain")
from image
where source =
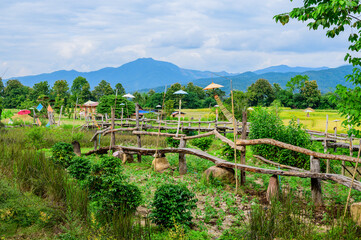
[(139, 74), (286, 69), (327, 79)]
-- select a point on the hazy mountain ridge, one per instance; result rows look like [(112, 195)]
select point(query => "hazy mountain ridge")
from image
[(146, 73)]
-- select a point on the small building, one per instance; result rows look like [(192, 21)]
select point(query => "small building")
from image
[(175, 114), (141, 113), (88, 107)]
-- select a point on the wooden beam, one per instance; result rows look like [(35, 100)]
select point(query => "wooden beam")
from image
[(346, 181), (295, 148)]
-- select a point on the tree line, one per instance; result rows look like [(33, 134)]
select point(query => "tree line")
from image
[(300, 92)]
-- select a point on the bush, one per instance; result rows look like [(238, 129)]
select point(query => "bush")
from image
[(79, 167), (202, 143), (62, 153), (228, 152), (35, 137), (267, 124), (172, 142), (121, 198), (172, 204)]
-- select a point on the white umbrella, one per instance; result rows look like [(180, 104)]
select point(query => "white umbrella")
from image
[(128, 95), (179, 92)]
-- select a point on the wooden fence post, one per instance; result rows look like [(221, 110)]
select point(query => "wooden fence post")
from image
[(182, 159), (315, 182), (243, 151), (96, 143), (139, 140), (112, 136), (325, 146)]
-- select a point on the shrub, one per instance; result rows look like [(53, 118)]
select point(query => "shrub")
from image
[(121, 198), (202, 143), (267, 124), (79, 167), (228, 152), (35, 137), (62, 153), (172, 204), (172, 142)]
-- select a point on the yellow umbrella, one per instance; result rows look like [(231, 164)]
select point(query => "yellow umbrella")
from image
[(212, 86)]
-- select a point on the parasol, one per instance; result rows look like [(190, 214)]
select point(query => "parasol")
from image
[(128, 95), (212, 86), (24, 112)]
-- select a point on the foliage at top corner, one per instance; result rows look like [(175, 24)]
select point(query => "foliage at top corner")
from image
[(173, 204), (267, 124), (336, 16)]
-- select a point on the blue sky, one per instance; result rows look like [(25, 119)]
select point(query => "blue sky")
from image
[(40, 36)]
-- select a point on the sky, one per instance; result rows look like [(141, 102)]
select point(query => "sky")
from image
[(40, 36)]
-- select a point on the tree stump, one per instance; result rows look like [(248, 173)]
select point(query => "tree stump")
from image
[(182, 158), (316, 183), (355, 210), (273, 188), (76, 148)]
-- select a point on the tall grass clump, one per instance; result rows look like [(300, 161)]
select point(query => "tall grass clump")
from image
[(267, 124)]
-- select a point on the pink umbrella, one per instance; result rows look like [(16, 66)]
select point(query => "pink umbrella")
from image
[(24, 112)]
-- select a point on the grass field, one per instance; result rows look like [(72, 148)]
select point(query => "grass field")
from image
[(316, 120)]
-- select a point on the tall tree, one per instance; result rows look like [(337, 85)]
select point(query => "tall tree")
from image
[(81, 90), (102, 89), (261, 93), (14, 93), (40, 89), (120, 88), (311, 93), (1, 87), (296, 83), (61, 89), (336, 16)]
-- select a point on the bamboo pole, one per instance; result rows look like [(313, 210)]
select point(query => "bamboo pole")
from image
[(234, 137), (325, 146), (353, 179)]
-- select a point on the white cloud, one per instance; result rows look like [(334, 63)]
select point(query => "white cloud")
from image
[(43, 36)]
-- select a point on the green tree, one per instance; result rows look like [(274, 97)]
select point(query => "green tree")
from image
[(169, 107), (40, 89), (1, 87), (311, 93), (106, 102), (154, 100), (60, 92), (1, 106), (296, 83), (102, 89), (80, 89), (261, 93), (14, 93), (336, 16), (120, 88)]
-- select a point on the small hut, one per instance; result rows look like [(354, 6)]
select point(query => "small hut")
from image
[(88, 108), (175, 114)]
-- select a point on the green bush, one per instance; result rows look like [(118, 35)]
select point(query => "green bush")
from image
[(203, 143), (172, 204), (35, 137), (267, 124), (228, 152), (120, 197), (109, 189), (79, 167), (62, 153), (172, 142)]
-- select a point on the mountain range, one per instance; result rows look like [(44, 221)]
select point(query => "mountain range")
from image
[(146, 73)]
